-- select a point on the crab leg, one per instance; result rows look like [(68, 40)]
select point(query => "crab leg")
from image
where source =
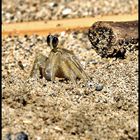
[(54, 65), (39, 66), (77, 68), (34, 68), (68, 72)]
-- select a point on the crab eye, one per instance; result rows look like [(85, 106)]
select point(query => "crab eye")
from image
[(55, 41), (48, 39)]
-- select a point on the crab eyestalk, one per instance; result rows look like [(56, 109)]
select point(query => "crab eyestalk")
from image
[(52, 41)]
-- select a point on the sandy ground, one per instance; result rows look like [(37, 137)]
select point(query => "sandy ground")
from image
[(29, 10), (104, 109), (46, 110)]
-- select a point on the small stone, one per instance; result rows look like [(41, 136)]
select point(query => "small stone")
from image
[(66, 11), (3, 86), (8, 137), (8, 15), (63, 33), (90, 84), (21, 65), (93, 61), (53, 4), (98, 87), (21, 136)]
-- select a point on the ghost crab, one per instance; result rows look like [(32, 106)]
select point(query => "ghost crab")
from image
[(61, 63)]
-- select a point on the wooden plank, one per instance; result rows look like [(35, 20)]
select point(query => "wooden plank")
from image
[(46, 27)]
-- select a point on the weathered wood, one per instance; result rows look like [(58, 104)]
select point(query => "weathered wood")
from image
[(113, 39)]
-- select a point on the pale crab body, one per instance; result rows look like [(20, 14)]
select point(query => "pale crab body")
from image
[(60, 63)]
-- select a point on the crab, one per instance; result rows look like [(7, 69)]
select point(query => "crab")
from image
[(61, 63)]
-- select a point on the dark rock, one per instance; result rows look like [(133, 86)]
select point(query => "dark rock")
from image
[(21, 136), (98, 87)]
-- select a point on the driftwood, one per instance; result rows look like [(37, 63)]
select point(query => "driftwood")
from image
[(113, 39)]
